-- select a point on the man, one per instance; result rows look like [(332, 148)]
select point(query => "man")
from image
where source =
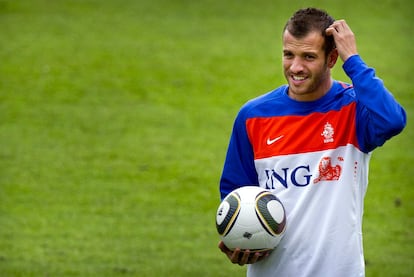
[(309, 142)]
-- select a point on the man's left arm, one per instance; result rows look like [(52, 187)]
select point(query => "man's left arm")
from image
[(379, 115)]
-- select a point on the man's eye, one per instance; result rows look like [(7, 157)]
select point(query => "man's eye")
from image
[(310, 57)]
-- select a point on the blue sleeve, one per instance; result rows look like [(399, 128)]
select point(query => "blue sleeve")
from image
[(239, 169), (379, 116)]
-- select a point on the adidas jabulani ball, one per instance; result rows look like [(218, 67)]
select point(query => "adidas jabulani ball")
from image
[(251, 218)]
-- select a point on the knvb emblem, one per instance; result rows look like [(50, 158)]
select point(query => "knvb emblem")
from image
[(328, 133)]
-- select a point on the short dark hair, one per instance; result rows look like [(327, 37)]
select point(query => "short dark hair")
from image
[(309, 20)]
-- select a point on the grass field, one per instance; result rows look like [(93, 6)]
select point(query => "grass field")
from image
[(115, 118)]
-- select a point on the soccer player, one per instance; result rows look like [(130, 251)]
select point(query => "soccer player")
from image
[(310, 143)]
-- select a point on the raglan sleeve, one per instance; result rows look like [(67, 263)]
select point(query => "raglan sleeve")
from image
[(379, 115), (239, 169)]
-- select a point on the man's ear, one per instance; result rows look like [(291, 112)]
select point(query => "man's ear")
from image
[(332, 58)]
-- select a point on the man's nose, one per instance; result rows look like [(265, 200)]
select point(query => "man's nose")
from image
[(296, 65)]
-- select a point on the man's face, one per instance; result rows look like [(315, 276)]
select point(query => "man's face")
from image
[(306, 67)]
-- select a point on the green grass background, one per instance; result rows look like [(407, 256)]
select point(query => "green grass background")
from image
[(115, 118)]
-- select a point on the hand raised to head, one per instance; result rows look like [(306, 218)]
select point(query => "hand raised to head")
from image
[(344, 39)]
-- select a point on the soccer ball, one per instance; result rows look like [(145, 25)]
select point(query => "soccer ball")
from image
[(251, 218)]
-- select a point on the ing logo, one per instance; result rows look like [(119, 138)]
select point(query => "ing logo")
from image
[(303, 175)]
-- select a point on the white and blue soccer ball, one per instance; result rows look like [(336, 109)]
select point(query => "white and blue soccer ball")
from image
[(251, 218)]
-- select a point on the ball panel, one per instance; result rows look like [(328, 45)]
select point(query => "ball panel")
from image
[(271, 213), (227, 214), (222, 212), (275, 208)]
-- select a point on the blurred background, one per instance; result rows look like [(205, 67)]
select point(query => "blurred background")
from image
[(115, 118)]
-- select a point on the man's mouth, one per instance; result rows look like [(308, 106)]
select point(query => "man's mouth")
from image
[(298, 78)]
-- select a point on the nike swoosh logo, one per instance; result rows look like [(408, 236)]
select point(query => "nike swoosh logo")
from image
[(271, 141)]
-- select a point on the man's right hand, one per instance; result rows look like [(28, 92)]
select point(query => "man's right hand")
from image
[(242, 257)]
